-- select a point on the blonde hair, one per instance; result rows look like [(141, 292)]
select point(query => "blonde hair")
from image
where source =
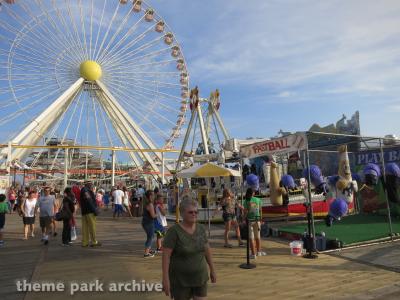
[(226, 193)]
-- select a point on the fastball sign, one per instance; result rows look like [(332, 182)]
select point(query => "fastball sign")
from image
[(286, 144), (374, 156)]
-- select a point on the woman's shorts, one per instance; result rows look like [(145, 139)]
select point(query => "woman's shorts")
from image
[(183, 292), (228, 217), (118, 208), (28, 220)]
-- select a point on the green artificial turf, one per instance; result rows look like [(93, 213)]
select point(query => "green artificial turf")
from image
[(351, 229)]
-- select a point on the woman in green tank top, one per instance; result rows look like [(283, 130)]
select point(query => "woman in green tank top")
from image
[(186, 254)]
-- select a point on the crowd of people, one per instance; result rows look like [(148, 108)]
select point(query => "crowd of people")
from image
[(187, 262), (50, 206)]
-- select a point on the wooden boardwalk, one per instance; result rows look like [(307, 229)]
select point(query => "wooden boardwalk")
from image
[(277, 276)]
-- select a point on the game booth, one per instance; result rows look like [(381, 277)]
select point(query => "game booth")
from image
[(332, 190)]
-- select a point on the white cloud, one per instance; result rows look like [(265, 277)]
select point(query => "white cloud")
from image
[(285, 94), (352, 44)]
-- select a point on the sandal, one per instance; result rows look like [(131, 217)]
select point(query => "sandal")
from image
[(228, 246), (241, 244)]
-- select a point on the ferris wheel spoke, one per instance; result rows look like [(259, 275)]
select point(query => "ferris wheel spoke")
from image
[(91, 29), (53, 134), (76, 33), (160, 63), (110, 141), (83, 30), (125, 116), (68, 123), (143, 47), (99, 29), (136, 107), (33, 65), (120, 131), (22, 110), (150, 93), (114, 36), (8, 28), (36, 96), (69, 34), (97, 129), (157, 82), (76, 103), (139, 59), (107, 32), (126, 88), (146, 73), (114, 49), (31, 68), (150, 85), (146, 94), (77, 130), (5, 39), (56, 37), (120, 52), (30, 59), (23, 97), (26, 85), (34, 37), (34, 54), (130, 58), (63, 40), (164, 94)]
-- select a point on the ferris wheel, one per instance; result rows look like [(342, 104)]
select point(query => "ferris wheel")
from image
[(90, 72)]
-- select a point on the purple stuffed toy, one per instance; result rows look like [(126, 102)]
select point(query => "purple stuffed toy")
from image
[(316, 179)]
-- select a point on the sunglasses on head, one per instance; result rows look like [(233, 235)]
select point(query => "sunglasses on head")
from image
[(192, 212)]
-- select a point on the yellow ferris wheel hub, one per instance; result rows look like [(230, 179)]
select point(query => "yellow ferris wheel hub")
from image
[(90, 70)]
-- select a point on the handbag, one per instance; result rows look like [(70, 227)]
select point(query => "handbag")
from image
[(63, 214), (57, 216)]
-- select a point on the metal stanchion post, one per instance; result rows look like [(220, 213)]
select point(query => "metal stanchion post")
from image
[(247, 265), (310, 238)]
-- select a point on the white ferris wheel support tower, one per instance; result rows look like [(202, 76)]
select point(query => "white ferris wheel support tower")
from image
[(213, 104), (127, 129)]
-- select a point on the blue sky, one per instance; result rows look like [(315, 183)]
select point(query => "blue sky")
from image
[(286, 64), (279, 64)]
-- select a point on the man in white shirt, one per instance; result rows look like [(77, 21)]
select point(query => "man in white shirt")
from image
[(118, 196)]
